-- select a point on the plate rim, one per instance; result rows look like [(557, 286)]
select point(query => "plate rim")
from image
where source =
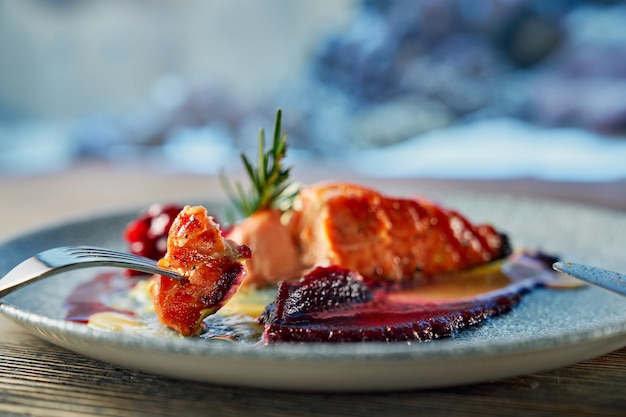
[(326, 351)]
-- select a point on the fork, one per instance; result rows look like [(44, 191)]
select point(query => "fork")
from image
[(67, 258)]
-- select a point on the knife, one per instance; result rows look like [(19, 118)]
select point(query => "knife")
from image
[(604, 278)]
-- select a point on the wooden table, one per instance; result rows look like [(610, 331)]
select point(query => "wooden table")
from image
[(37, 378)]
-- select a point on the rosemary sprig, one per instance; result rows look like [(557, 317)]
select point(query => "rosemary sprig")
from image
[(270, 182)]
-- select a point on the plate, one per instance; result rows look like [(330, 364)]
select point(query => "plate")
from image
[(549, 329)]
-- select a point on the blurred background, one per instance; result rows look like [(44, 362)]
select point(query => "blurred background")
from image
[(431, 88)]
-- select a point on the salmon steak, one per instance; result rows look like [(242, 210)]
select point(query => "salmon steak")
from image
[(213, 269), (380, 237)]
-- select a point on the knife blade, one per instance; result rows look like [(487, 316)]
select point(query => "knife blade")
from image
[(610, 280)]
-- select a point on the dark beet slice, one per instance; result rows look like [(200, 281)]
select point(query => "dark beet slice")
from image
[(389, 322), (336, 305), (323, 289)]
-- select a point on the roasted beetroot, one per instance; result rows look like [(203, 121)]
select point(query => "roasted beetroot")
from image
[(336, 305), (322, 289)]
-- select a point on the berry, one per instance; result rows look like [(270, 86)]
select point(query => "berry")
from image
[(147, 234)]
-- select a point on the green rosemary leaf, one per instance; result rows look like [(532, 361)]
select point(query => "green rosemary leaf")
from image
[(262, 158), (251, 172), (270, 180), (243, 202)]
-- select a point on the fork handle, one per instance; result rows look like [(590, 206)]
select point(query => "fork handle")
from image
[(29, 271)]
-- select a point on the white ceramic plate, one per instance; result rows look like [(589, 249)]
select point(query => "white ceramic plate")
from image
[(549, 329)]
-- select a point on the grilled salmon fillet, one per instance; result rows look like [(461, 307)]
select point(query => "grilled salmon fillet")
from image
[(213, 269), (276, 257), (381, 237)]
